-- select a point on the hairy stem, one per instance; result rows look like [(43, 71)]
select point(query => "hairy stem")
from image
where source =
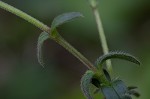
[(102, 37), (45, 28)]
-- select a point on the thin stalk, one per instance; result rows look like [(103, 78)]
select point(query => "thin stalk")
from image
[(45, 28), (102, 36), (24, 16), (60, 40)]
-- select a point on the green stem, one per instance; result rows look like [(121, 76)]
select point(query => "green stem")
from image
[(60, 40), (45, 28), (102, 37), (24, 16)]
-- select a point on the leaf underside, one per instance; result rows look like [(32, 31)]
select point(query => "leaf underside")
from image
[(119, 55), (86, 82), (117, 90), (42, 37), (64, 18)]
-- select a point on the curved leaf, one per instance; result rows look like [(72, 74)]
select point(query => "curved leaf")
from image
[(85, 84), (64, 18), (43, 36), (119, 55)]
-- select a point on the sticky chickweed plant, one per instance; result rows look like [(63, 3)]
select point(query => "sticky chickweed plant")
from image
[(98, 75)]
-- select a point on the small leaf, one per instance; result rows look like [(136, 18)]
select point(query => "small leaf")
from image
[(64, 18), (85, 84), (43, 36), (119, 55), (134, 92)]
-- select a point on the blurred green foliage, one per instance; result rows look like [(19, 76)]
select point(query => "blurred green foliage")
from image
[(126, 24)]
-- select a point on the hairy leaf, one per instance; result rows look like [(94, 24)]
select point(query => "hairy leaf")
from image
[(85, 83), (119, 55), (64, 18), (43, 36)]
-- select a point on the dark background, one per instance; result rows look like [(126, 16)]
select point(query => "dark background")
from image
[(127, 27)]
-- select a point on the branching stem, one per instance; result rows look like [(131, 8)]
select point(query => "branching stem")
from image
[(45, 28)]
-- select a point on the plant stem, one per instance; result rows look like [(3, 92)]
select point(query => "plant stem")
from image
[(102, 37), (45, 28), (24, 16), (60, 40)]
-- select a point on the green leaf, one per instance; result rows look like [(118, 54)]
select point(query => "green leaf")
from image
[(64, 18), (117, 90), (85, 83), (43, 36), (119, 55)]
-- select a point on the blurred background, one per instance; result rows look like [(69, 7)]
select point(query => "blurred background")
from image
[(127, 28)]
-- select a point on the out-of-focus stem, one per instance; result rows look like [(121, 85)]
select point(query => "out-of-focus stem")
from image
[(102, 37)]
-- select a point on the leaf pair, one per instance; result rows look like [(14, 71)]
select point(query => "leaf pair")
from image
[(117, 89), (61, 19)]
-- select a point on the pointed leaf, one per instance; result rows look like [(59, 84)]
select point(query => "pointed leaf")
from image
[(64, 18), (43, 36), (119, 55), (85, 84)]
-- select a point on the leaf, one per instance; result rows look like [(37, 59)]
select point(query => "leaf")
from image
[(85, 84), (64, 18), (42, 37), (134, 93), (109, 92), (119, 55), (120, 87), (117, 90)]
